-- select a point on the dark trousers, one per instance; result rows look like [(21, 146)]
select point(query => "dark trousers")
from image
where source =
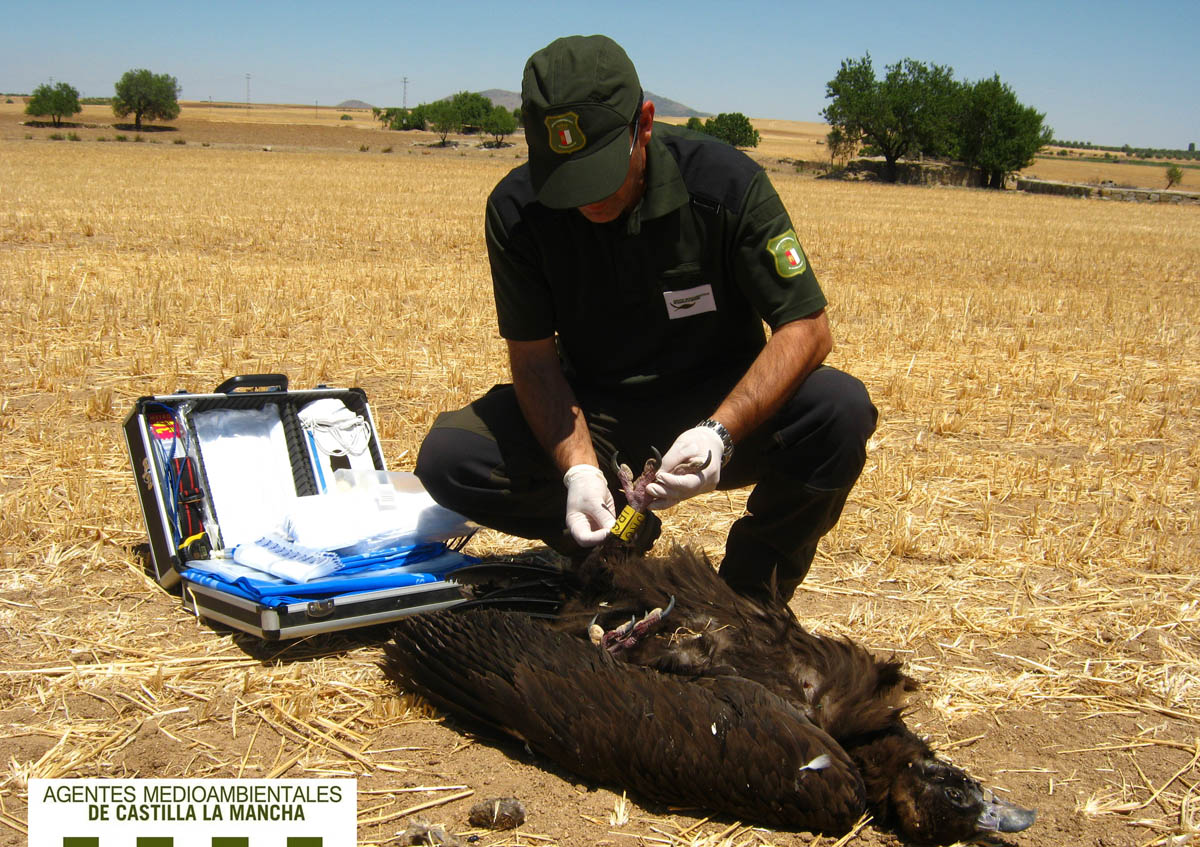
[(484, 462)]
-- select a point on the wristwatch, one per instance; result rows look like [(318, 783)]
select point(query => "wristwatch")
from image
[(726, 438)]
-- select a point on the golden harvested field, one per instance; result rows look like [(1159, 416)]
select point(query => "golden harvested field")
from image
[(1094, 172), (1026, 533)]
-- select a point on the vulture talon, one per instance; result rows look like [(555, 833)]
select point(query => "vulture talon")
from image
[(629, 635), (692, 467)]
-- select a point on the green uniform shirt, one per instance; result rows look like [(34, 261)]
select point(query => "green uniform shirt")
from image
[(677, 288)]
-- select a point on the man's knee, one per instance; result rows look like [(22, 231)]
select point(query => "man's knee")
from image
[(855, 417), (835, 419), (452, 462)]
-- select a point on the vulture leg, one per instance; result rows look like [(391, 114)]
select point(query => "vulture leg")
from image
[(629, 634), (635, 489)]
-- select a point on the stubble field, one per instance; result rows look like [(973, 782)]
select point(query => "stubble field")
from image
[(1025, 535)]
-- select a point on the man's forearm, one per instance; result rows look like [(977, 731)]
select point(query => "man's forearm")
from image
[(549, 404), (794, 351)]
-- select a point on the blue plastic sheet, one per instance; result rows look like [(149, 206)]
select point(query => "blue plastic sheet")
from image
[(397, 568)]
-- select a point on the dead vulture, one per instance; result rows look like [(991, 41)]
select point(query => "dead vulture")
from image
[(690, 694)]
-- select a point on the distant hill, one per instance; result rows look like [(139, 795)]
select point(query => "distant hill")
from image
[(668, 108), (353, 104), (499, 97), (663, 106)]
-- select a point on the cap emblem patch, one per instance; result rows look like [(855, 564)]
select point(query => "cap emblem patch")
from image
[(789, 257), (565, 134)]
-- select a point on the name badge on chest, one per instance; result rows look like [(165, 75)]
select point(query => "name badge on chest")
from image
[(690, 301)]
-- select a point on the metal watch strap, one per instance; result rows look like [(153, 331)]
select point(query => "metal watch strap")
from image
[(726, 438)]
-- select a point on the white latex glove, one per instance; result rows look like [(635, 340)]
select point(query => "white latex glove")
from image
[(591, 511), (678, 479)]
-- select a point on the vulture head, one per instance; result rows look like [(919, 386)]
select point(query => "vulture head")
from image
[(935, 802)]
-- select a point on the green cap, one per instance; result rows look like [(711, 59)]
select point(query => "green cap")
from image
[(579, 96)]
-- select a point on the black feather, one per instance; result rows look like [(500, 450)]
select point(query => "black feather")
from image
[(728, 704)]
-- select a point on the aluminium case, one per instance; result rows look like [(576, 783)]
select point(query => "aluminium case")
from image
[(167, 562)]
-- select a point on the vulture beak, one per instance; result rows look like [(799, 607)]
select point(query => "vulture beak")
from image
[(999, 815)]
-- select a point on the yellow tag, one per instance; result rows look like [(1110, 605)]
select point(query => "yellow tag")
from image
[(627, 523)]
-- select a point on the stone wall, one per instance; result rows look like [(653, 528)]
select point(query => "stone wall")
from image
[(1106, 192), (918, 173)]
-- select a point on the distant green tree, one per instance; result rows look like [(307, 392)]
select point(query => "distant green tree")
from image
[(443, 118), (146, 95), (499, 123), (395, 117), (695, 124), (909, 111), (517, 115), (996, 133), (58, 101), (732, 128), (415, 118), (1174, 176), (386, 116), (842, 146), (473, 109)]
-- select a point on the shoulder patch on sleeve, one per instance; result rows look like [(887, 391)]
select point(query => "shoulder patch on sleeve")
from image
[(788, 255)]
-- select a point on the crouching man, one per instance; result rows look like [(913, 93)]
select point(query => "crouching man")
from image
[(633, 266)]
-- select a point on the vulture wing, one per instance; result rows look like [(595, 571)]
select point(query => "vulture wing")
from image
[(723, 743)]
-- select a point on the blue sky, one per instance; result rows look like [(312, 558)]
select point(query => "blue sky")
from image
[(1106, 72)]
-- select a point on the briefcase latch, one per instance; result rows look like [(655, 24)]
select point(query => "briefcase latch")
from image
[(320, 608)]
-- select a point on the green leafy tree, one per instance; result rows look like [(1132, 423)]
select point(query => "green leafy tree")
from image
[(499, 123), (1174, 176), (695, 124), (388, 117), (443, 118), (414, 118), (842, 146), (58, 101), (146, 95), (473, 109), (395, 117), (732, 128), (908, 112), (996, 133)]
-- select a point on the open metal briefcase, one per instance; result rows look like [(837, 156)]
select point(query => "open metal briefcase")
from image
[(216, 471)]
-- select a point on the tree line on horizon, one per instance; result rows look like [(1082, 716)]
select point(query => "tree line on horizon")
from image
[(466, 112), (914, 109), (470, 112), (1132, 152), (138, 92)]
